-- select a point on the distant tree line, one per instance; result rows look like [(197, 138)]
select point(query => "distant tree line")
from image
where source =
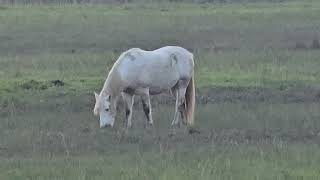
[(124, 1)]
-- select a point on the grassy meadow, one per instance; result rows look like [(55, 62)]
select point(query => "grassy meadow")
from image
[(258, 91)]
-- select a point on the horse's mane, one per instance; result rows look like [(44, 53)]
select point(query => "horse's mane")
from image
[(113, 76)]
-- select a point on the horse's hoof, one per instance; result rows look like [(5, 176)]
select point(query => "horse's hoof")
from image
[(184, 122), (106, 126), (194, 131), (148, 125), (150, 122)]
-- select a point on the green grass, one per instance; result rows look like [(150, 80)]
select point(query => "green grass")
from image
[(279, 161), (86, 72), (60, 139), (254, 62)]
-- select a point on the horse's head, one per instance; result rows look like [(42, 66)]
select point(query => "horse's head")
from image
[(103, 107)]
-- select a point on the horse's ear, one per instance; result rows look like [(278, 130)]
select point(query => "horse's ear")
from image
[(96, 96)]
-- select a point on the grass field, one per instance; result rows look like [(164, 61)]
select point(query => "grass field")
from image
[(257, 78)]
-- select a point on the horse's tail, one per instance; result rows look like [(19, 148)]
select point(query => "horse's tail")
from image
[(190, 102)]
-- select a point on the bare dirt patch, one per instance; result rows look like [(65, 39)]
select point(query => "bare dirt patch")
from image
[(40, 85)]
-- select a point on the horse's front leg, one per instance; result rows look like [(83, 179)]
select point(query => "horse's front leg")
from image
[(146, 105), (129, 100)]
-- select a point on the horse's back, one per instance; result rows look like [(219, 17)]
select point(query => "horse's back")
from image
[(160, 68), (180, 57)]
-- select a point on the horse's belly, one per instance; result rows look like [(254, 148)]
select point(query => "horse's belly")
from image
[(156, 83), (161, 81), (158, 90), (155, 91)]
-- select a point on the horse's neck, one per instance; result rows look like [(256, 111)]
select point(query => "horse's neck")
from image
[(111, 88), (111, 85)]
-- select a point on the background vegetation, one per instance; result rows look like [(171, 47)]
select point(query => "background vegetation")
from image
[(257, 77)]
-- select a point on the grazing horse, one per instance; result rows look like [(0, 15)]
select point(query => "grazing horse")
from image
[(145, 73)]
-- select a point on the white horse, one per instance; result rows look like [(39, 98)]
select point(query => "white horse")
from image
[(145, 73)]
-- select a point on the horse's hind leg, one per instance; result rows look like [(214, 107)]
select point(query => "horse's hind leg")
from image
[(176, 115), (129, 99), (146, 105), (180, 105)]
